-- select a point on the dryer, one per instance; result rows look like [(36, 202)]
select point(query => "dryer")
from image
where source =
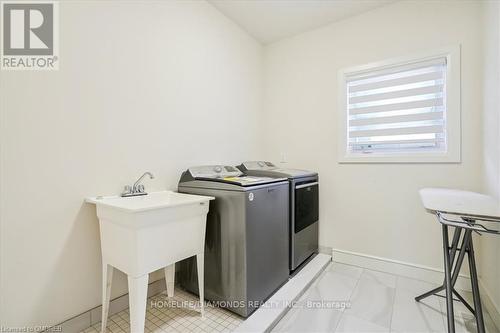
[(303, 207), (246, 242)]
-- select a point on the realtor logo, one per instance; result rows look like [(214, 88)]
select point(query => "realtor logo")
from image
[(30, 35)]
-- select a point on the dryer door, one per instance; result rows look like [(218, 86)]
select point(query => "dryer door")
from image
[(306, 205)]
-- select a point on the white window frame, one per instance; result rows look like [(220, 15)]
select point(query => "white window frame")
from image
[(452, 107)]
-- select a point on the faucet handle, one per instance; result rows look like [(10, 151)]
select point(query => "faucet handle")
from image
[(127, 189), (140, 188)]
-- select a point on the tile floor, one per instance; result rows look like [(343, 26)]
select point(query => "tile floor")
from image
[(165, 314), (351, 299), (343, 299)]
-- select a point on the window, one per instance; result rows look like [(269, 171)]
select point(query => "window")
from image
[(406, 110)]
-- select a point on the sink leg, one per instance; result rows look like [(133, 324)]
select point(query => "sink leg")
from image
[(107, 279), (138, 293), (200, 261), (170, 279)]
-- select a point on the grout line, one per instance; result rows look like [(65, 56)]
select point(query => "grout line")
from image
[(443, 315), (350, 296), (394, 301)]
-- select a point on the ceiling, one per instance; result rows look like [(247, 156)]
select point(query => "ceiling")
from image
[(271, 20)]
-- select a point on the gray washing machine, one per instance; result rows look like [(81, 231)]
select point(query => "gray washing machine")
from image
[(304, 207), (246, 242)]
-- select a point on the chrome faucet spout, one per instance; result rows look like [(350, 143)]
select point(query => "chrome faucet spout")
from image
[(147, 173), (137, 188)]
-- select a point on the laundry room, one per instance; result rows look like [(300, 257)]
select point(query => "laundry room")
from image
[(249, 166)]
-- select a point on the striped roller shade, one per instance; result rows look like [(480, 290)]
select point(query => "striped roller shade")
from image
[(398, 109)]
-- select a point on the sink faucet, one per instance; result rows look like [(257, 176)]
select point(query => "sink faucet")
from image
[(137, 188)]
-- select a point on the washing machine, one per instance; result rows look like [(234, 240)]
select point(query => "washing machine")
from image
[(303, 207), (246, 242)]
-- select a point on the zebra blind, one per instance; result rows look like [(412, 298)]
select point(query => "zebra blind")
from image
[(398, 109)]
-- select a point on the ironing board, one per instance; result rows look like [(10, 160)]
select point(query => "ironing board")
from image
[(461, 210)]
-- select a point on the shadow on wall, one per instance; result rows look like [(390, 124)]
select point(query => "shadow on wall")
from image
[(70, 272)]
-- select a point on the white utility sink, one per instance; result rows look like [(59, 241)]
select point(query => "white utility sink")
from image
[(153, 200), (144, 233)]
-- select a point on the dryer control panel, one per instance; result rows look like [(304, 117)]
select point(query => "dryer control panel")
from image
[(214, 171), (263, 168), (259, 165)]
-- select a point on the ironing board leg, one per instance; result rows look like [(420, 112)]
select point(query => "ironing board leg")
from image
[(429, 293), (475, 289), (448, 286), (461, 256), (464, 302), (454, 246)]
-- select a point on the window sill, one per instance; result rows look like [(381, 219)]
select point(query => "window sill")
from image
[(414, 158)]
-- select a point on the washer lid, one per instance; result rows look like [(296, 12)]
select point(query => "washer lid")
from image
[(228, 174), (250, 180)]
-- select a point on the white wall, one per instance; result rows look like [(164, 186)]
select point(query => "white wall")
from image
[(489, 262), (372, 208), (142, 85), (161, 86)]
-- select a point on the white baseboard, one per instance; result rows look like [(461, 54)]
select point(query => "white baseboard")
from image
[(325, 250), (414, 271), (489, 303)]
